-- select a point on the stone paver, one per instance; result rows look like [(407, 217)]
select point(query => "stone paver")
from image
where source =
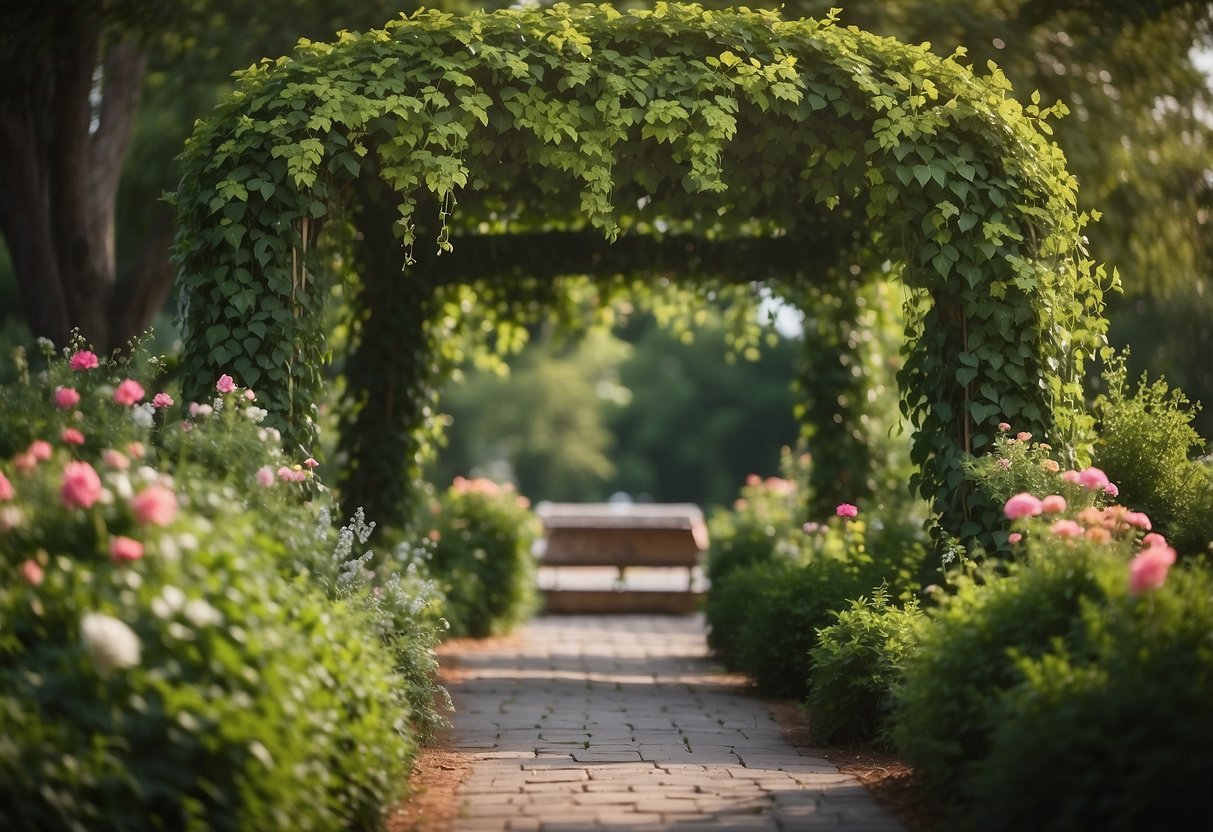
[(624, 722)]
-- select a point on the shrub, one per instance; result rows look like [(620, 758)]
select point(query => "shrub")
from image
[(163, 660), (1125, 711), (855, 664), (1145, 445), (762, 526), (482, 535)]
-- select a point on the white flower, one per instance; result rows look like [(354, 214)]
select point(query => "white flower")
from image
[(270, 435), (168, 602), (122, 485), (143, 415), (200, 613), (256, 414), (110, 643)]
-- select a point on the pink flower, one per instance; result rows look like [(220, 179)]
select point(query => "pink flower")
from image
[(1003, 462), (846, 510), (225, 384), (1014, 537), (1066, 529), (1004, 427), (1111, 490), (1023, 436), (25, 462), (265, 476), (753, 479), (1148, 570), (66, 398), (128, 393), (1092, 479), (1071, 477), (1050, 466), (71, 436), (136, 450), (1022, 505), (291, 475), (154, 505), (162, 400), (81, 486), (115, 459), (32, 572), (41, 450), (84, 360), (1098, 534), (1154, 539), (1053, 504), (124, 549), (811, 527), (310, 463), (6, 488), (250, 395), (1139, 520)]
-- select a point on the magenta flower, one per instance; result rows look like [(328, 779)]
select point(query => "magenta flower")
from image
[(128, 393), (846, 510), (1022, 505), (41, 450), (71, 436), (1053, 504), (124, 549), (6, 488), (66, 398), (161, 400), (154, 505), (225, 384), (84, 360), (1148, 570), (81, 487), (1093, 479)]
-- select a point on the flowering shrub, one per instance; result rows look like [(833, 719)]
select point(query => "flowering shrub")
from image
[(761, 527), (160, 662), (482, 535)]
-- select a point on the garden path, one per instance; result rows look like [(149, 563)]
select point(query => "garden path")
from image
[(621, 722)]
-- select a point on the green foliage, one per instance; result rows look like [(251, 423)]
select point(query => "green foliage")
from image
[(698, 119), (164, 659), (482, 536), (1127, 713), (1146, 444), (856, 662)]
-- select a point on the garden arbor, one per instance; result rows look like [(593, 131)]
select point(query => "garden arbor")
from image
[(504, 150)]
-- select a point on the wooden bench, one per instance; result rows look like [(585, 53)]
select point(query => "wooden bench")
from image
[(621, 536)]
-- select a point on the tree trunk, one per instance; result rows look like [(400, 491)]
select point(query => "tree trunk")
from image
[(65, 124)]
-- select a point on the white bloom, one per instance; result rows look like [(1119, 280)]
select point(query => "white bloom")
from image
[(122, 485), (201, 614), (10, 518), (271, 435), (256, 414), (168, 602), (110, 643), (143, 415), (202, 410)]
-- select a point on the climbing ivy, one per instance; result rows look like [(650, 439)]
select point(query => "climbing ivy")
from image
[(717, 148)]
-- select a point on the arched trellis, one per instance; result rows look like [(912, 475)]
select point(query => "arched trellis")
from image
[(713, 145)]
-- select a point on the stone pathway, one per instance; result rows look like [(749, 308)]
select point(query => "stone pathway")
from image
[(593, 723)]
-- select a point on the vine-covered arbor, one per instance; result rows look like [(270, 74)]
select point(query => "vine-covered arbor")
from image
[(504, 150)]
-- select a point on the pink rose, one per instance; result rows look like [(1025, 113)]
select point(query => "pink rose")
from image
[(1066, 529), (115, 459), (81, 486), (225, 384), (250, 395), (135, 449), (1139, 520), (1053, 504), (846, 510), (129, 392), (1153, 539), (1111, 490), (41, 450), (1022, 505), (124, 549), (6, 488), (1014, 537), (161, 400), (154, 505), (71, 436), (1092, 479), (1004, 427), (25, 462), (66, 398), (265, 476), (1071, 477), (84, 360), (32, 572), (310, 463), (751, 479), (1023, 436), (1148, 570)]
